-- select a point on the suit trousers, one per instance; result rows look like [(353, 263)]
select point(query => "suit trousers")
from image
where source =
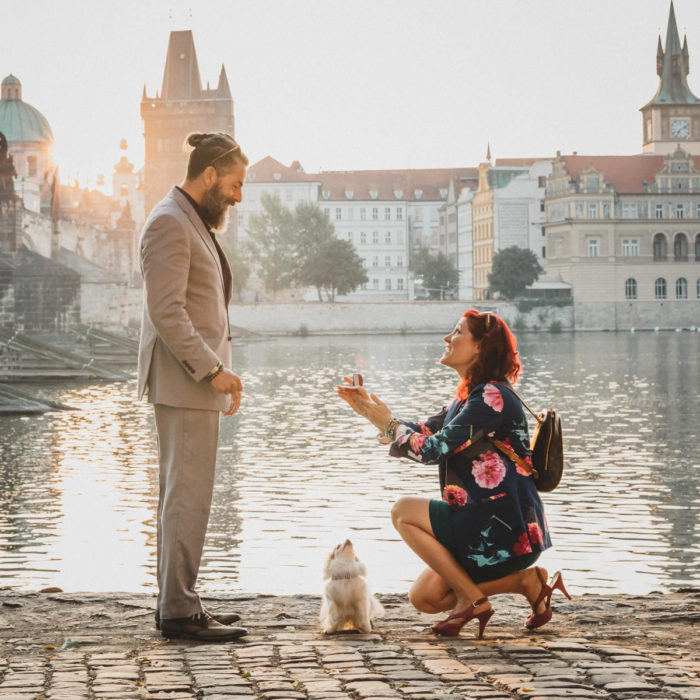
[(187, 442)]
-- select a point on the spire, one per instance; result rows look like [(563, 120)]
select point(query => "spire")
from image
[(223, 88), (143, 97), (672, 66), (488, 152), (181, 79)]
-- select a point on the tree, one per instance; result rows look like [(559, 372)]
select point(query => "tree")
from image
[(271, 244), (437, 271), (324, 261), (240, 267), (512, 270)]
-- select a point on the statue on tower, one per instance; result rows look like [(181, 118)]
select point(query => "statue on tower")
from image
[(7, 171)]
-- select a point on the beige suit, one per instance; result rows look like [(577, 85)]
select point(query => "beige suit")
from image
[(185, 332)]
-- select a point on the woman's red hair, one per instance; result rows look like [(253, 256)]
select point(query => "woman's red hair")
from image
[(498, 355)]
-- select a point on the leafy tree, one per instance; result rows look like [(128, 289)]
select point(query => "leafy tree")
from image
[(324, 261), (239, 261), (272, 244), (512, 270), (437, 271)]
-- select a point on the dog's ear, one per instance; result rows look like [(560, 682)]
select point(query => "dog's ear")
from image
[(326, 566)]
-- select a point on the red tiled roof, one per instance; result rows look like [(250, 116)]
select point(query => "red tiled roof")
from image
[(361, 182), (387, 183), (625, 174), (520, 162)]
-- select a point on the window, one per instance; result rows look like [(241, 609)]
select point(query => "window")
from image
[(363, 214), (338, 213), (124, 191), (630, 288), (363, 237), (375, 283), (630, 247), (697, 247), (541, 204), (375, 213), (543, 233), (679, 211), (660, 288), (680, 247), (629, 211), (387, 213), (326, 211), (544, 251), (592, 210), (681, 288), (399, 214), (31, 166), (375, 261), (399, 283), (387, 284), (399, 261), (659, 211), (659, 246), (593, 248), (606, 210), (579, 210), (697, 211), (542, 181), (350, 236), (387, 261), (592, 183), (698, 288), (375, 237), (387, 237)]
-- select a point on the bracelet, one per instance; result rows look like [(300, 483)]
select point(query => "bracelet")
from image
[(215, 372), (389, 433)]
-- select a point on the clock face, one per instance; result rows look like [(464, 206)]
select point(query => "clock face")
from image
[(680, 128)]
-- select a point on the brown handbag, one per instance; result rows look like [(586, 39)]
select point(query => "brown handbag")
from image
[(546, 445)]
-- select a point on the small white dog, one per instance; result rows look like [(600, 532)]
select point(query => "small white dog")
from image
[(347, 603)]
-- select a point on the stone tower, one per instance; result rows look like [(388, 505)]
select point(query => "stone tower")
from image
[(672, 117), (181, 108), (10, 218)]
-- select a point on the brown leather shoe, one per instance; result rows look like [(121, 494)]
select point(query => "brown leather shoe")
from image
[(221, 618), (201, 627)]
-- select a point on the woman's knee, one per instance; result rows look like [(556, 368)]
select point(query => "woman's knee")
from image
[(420, 601), (405, 510)]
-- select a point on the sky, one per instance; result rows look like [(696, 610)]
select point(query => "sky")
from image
[(353, 84)]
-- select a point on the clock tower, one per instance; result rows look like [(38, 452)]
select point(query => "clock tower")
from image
[(672, 118)]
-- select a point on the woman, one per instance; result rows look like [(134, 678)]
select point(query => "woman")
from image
[(488, 530)]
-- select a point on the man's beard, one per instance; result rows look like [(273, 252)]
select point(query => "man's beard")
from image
[(215, 207)]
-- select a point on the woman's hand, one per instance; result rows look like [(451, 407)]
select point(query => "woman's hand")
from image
[(368, 406)]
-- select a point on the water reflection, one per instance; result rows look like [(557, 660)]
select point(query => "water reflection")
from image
[(298, 472)]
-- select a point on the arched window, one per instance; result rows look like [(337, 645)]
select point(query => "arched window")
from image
[(660, 288), (124, 191), (681, 288), (697, 247), (630, 288), (31, 166), (680, 247), (660, 251)]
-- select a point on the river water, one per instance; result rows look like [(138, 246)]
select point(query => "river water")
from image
[(299, 472)]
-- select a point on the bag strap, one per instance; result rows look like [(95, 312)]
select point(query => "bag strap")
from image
[(514, 456), (520, 398)]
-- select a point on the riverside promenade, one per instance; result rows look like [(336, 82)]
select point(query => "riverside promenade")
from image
[(57, 646)]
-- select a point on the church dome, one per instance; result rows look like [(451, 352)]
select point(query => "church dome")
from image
[(20, 121)]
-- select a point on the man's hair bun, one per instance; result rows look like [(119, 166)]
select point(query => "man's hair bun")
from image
[(195, 139)]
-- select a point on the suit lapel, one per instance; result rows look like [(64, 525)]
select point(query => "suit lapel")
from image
[(201, 229)]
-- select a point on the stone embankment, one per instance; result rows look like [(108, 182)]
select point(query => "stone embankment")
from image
[(56, 646)]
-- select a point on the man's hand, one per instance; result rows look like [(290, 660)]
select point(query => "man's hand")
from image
[(226, 382)]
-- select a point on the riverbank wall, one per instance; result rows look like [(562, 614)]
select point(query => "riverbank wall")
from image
[(388, 317)]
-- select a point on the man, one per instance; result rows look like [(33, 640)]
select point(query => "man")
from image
[(184, 359)]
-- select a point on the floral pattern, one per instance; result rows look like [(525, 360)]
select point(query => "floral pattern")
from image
[(455, 495), (495, 510), (489, 470)]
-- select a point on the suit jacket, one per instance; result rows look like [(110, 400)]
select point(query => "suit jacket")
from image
[(185, 330)]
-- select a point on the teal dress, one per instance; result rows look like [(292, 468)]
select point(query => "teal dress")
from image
[(490, 516)]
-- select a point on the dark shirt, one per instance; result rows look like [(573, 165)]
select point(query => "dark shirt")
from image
[(225, 267)]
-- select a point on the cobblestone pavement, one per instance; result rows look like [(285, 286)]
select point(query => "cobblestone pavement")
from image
[(56, 646)]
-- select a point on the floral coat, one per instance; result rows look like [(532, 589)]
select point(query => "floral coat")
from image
[(495, 509)]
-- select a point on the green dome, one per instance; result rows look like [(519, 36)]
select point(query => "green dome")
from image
[(11, 80), (22, 122)]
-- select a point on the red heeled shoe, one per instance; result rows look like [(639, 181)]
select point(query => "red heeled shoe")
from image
[(453, 624), (538, 619)]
